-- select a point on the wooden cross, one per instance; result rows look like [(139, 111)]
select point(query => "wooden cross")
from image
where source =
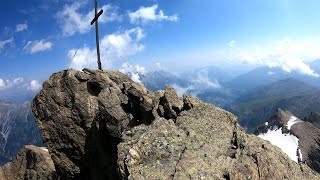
[(95, 20)]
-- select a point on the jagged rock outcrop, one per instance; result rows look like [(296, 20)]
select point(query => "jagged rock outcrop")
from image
[(32, 163), (102, 125), (308, 135)]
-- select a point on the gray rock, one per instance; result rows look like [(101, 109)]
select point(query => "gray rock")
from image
[(204, 143), (313, 118)]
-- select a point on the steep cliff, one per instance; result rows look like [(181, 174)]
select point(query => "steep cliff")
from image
[(102, 125)]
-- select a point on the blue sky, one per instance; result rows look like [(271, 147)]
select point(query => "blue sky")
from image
[(39, 37)]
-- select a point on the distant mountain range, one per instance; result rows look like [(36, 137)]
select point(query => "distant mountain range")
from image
[(264, 75), (253, 96), (257, 105), (17, 128)]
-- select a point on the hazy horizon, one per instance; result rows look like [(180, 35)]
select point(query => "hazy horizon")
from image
[(41, 37)]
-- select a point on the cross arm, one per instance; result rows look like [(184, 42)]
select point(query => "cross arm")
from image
[(96, 17)]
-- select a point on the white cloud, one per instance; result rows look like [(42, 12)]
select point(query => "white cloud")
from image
[(73, 21), (34, 85), (6, 84), (286, 54), (124, 44), (203, 80), (112, 47), (133, 71), (5, 42), (200, 82), (146, 14), (21, 27), (37, 46), (182, 90), (18, 80), (2, 84), (81, 58)]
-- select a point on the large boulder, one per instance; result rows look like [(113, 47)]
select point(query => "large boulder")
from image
[(32, 163), (102, 125)]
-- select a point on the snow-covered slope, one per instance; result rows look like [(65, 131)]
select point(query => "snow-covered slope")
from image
[(300, 140), (287, 142)]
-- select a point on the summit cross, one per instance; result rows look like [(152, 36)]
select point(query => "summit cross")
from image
[(95, 20)]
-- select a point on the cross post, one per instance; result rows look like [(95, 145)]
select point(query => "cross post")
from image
[(95, 20)]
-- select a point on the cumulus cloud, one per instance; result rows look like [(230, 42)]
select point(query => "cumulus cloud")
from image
[(147, 14), (73, 21), (203, 80), (37, 46), (286, 54), (5, 42), (34, 85), (6, 84), (200, 82), (21, 27), (133, 71), (112, 47)]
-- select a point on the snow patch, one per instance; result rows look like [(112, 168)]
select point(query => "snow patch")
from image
[(266, 123), (286, 142), (44, 148), (293, 120), (300, 155)]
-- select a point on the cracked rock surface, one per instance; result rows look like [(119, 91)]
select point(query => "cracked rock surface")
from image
[(31, 163), (102, 125)]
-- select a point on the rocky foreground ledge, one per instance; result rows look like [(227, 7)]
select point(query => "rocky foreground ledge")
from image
[(102, 125)]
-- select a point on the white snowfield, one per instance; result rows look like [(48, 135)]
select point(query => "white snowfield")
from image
[(293, 120), (288, 143)]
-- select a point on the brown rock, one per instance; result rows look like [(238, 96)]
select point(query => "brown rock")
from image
[(32, 163), (102, 125)]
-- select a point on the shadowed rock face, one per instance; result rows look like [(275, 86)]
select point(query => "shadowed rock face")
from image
[(313, 118), (102, 125), (31, 163)]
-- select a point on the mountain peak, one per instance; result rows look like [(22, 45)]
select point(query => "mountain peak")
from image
[(102, 125)]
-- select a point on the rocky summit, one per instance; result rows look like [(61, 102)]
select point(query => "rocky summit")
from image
[(102, 125)]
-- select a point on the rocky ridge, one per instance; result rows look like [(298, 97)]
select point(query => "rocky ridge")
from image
[(102, 125), (314, 118)]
